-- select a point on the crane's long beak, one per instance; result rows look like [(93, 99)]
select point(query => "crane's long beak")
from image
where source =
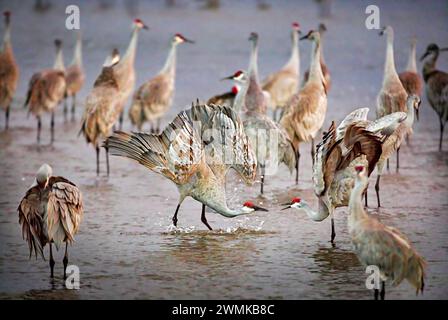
[(424, 55), (287, 207), (227, 78), (145, 27), (304, 37), (188, 41), (444, 49), (260, 209)]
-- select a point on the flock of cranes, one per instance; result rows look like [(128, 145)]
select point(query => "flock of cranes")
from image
[(232, 131)]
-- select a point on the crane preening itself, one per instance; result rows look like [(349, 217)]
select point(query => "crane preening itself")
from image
[(355, 141), (186, 154), (50, 213)]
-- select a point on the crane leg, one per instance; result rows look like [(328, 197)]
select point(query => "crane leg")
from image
[(204, 219), (377, 189), (333, 233), (387, 164), (97, 160), (442, 125), (383, 290), (416, 114), (51, 262), (7, 117), (52, 127), (65, 260), (39, 126), (262, 167), (365, 198), (312, 151), (398, 160), (73, 107), (175, 215), (120, 120), (65, 109), (158, 126), (376, 293), (297, 166), (107, 160)]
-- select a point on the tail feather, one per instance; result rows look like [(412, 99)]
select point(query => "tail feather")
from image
[(165, 153)]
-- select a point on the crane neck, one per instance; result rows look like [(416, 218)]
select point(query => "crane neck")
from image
[(390, 72), (321, 214), (7, 35), (430, 65), (315, 67), (77, 54), (170, 62), (293, 63), (129, 55), (409, 113), (253, 62), (412, 64), (59, 61), (355, 206), (238, 103)]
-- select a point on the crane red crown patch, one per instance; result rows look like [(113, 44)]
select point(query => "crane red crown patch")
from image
[(248, 204), (296, 200), (359, 168), (238, 73), (234, 89), (7, 13), (296, 25)]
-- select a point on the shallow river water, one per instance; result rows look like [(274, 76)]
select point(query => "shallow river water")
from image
[(127, 248)]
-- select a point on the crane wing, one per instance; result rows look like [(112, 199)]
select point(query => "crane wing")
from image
[(356, 115), (64, 210), (176, 153), (30, 218)]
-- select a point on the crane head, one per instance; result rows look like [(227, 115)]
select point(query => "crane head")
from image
[(295, 203), (140, 25), (249, 206), (178, 38), (311, 35), (239, 76), (43, 175)]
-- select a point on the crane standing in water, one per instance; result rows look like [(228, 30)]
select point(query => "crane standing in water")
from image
[(152, 100), (50, 213), (194, 162)]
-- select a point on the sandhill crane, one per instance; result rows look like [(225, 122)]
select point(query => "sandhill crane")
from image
[(392, 96), (355, 141), (184, 154), (305, 113), (410, 79), (9, 70), (101, 112), (394, 141), (326, 73), (46, 90), (228, 98), (124, 69), (377, 244), (436, 86), (74, 75), (152, 100), (269, 140), (283, 84), (50, 212), (225, 99)]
